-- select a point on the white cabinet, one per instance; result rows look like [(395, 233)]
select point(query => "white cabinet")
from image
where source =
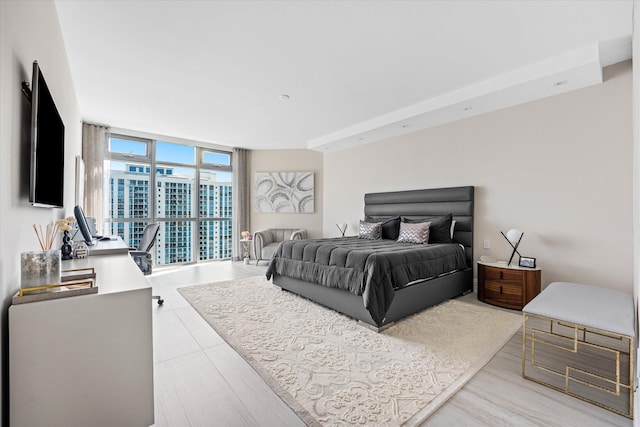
[(85, 360)]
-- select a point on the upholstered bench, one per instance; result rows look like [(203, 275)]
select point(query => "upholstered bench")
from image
[(580, 340)]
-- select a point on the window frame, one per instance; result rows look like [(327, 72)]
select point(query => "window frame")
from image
[(133, 158), (201, 165), (215, 166), (152, 162)]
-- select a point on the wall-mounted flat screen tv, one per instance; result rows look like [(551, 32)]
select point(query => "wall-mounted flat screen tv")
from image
[(47, 146)]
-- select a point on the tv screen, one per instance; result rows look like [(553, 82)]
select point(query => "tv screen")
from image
[(47, 146)]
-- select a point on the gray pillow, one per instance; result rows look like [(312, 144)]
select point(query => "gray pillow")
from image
[(390, 225), (370, 230), (440, 228)]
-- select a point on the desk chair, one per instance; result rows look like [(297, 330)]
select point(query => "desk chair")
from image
[(142, 254)]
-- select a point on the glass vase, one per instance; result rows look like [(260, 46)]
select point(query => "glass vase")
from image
[(40, 268)]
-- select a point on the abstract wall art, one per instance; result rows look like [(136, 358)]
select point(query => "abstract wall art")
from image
[(284, 192)]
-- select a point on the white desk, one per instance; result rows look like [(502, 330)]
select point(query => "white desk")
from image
[(85, 360), (109, 247)]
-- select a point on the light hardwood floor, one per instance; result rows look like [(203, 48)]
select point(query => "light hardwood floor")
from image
[(201, 381)]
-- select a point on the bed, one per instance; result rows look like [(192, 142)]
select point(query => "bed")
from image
[(381, 281)]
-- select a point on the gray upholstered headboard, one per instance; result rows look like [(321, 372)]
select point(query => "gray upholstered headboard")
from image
[(432, 202)]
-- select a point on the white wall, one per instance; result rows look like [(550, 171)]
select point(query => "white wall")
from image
[(636, 179), (559, 168), (29, 31), (288, 161)]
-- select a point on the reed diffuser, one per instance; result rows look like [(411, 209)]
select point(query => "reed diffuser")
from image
[(43, 267), (46, 236)]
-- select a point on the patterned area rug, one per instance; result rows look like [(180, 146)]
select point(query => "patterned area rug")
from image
[(333, 372)]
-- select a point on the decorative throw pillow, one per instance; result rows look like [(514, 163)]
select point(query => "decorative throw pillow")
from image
[(370, 230), (414, 232), (440, 229), (390, 225)]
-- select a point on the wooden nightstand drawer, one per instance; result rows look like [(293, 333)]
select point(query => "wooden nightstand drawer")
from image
[(505, 294), (503, 275), (507, 286)]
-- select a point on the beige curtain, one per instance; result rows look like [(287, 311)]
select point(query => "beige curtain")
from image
[(95, 148), (241, 203)]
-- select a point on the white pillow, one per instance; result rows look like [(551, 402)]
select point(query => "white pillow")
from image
[(414, 232)]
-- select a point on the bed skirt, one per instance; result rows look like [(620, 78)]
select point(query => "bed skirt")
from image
[(406, 301)]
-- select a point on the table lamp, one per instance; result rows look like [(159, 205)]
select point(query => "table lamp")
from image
[(342, 227), (513, 236)]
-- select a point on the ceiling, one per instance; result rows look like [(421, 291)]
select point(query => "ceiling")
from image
[(354, 71)]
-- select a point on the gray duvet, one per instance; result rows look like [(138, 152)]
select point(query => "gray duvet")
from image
[(371, 268)]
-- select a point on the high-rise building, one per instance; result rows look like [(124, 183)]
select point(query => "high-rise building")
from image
[(129, 197), (214, 202)]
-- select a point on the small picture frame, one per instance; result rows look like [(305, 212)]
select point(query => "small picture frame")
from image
[(527, 262)]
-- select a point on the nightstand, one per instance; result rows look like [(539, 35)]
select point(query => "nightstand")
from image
[(507, 286)]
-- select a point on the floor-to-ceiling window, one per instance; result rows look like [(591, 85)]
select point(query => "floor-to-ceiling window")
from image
[(175, 201), (214, 205), (189, 194)]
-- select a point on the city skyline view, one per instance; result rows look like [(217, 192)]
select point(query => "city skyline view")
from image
[(194, 225)]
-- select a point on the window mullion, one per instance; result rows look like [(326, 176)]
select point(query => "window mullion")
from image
[(197, 242), (152, 180)]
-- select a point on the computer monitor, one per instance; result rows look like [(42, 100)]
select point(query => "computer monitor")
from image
[(83, 226)]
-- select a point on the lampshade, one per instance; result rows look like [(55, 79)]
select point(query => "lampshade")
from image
[(513, 235)]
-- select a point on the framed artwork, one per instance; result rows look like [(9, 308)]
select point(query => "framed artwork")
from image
[(284, 192)]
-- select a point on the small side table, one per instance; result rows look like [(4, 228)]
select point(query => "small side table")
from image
[(507, 286), (245, 244)]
